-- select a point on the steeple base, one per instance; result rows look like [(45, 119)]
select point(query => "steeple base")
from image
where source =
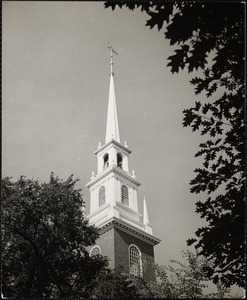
[(115, 241)]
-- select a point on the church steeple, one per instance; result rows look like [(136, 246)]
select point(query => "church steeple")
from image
[(112, 129), (125, 237)]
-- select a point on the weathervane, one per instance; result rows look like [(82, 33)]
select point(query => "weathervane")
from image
[(112, 51)]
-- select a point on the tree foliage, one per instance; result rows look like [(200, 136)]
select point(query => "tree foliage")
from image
[(182, 280), (114, 284), (209, 37), (187, 279), (44, 240)]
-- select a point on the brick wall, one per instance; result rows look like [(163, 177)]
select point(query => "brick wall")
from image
[(106, 243), (115, 243), (122, 242)]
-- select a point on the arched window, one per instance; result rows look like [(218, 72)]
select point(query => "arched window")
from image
[(101, 195), (119, 160), (95, 251), (125, 195), (106, 160), (135, 262)]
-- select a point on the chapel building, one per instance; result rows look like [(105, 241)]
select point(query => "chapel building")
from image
[(126, 237)]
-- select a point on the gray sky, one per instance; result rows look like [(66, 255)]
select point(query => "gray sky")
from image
[(55, 94)]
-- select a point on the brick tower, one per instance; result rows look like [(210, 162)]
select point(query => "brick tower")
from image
[(125, 235)]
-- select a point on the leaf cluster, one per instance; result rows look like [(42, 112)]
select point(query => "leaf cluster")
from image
[(221, 120), (113, 284), (185, 279), (44, 239), (197, 29)]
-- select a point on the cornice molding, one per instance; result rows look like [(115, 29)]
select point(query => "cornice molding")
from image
[(118, 173), (115, 223), (114, 142)]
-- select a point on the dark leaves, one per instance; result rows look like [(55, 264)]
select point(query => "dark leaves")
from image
[(191, 242), (159, 17), (45, 230), (223, 163), (197, 58), (113, 4), (206, 108), (195, 126), (189, 117), (178, 60)]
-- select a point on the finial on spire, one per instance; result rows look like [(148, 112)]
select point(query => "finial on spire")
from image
[(111, 63)]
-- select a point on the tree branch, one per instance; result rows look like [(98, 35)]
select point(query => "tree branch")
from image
[(214, 119)]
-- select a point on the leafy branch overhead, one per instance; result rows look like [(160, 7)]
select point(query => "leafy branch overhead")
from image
[(208, 39)]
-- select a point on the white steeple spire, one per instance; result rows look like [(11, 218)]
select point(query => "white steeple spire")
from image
[(112, 130)]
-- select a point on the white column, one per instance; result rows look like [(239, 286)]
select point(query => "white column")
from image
[(135, 204), (100, 163), (131, 199), (94, 197), (112, 156), (118, 191), (126, 163), (111, 190), (91, 201), (115, 182)]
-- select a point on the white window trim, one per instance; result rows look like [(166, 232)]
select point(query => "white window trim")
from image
[(128, 193), (140, 260), (93, 248), (102, 187)]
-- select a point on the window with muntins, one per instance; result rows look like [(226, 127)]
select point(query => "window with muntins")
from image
[(101, 195), (125, 195), (95, 251), (135, 263)]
